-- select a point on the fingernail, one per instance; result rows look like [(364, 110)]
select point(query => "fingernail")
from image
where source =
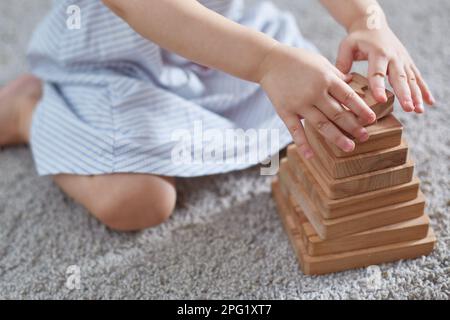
[(380, 94), (419, 108), (363, 135), (348, 146), (308, 154), (409, 105), (433, 100), (372, 117), (348, 77)]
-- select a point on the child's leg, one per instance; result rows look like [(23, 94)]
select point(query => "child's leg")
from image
[(17, 102), (123, 202)]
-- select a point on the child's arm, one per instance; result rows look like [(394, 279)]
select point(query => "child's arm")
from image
[(201, 35), (370, 38), (300, 84)]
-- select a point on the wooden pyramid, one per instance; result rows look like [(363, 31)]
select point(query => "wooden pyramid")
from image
[(351, 210)]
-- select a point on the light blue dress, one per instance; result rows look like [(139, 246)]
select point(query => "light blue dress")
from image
[(115, 102)]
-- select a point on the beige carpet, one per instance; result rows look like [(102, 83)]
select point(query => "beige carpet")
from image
[(227, 240)]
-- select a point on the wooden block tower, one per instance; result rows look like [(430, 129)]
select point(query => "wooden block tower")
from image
[(350, 210)]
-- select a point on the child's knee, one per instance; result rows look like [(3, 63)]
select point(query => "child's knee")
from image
[(133, 211)]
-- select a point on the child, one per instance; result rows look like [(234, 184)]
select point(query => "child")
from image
[(103, 99)]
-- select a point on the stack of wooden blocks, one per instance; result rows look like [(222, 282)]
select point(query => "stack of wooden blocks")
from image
[(351, 210)]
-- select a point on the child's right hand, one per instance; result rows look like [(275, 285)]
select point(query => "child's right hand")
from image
[(302, 84)]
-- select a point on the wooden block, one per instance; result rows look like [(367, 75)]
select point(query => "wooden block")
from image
[(361, 86), (350, 186), (357, 164), (289, 221), (413, 229), (334, 208), (351, 259), (286, 194), (383, 134), (358, 222)]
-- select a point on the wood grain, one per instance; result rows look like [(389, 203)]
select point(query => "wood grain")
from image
[(351, 259), (385, 133), (361, 86), (357, 164), (413, 229), (358, 222), (334, 208), (349, 186)]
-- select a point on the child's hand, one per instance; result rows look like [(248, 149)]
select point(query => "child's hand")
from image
[(386, 56), (302, 84)]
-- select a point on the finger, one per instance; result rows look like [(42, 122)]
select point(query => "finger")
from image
[(398, 80), (295, 127), (426, 93), (416, 94), (345, 95), (378, 66), (344, 119), (344, 59), (328, 130), (344, 77), (360, 56)]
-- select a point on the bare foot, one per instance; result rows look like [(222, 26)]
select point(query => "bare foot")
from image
[(17, 102)]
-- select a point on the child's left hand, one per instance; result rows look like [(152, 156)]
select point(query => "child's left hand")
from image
[(387, 57)]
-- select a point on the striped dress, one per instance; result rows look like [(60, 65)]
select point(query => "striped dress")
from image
[(116, 102)]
